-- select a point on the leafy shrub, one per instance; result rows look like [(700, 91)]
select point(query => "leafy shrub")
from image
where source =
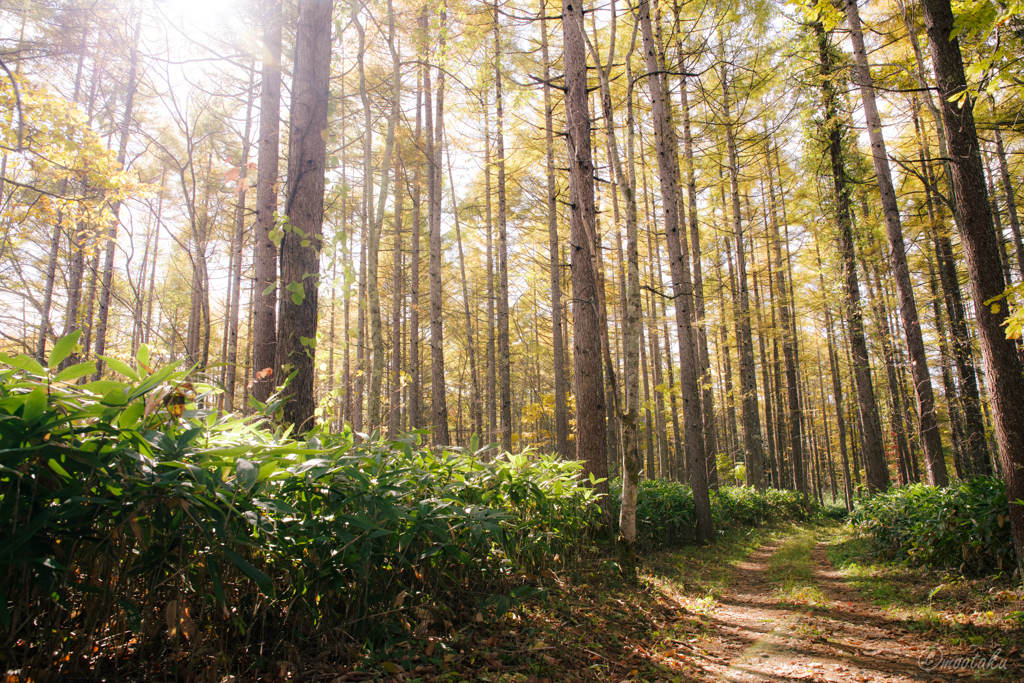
[(133, 518), (963, 526), (665, 515)]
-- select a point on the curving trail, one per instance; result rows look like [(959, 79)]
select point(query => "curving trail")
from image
[(758, 634)]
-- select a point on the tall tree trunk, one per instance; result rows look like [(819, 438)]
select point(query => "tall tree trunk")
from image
[(264, 343), (45, 327), (561, 420), (837, 391), (374, 416), (871, 429), (753, 444), (625, 180), (707, 386), (929, 426), (395, 415), (1002, 364), (231, 357), (895, 396), (668, 171), (1011, 201), (415, 391), (504, 361), (304, 206), (438, 399), (492, 363), (475, 406), (770, 455), (122, 150), (975, 442), (591, 441), (789, 350)]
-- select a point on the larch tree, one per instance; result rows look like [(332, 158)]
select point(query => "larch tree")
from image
[(304, 207)]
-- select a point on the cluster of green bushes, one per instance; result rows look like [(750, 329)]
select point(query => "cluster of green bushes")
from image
[(665, 515), (133, 524), (963, 526), (139, 529)]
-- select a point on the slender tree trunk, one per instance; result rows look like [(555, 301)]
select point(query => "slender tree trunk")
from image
[(304, 206), (963, 353), (45, 327), (395, 415), (591, 441), (707, 386), (1002, 364), (476, 408), (264, 344), (668, 171), (415, 391), (504, 361), (837, 392), (374, 415), (231, 357), (561, 420), (929, 426), (108, 257), (492, 365), (874, 452), (753, 444), (1011, 201), (770, 455), (438, 399), (895, 396)]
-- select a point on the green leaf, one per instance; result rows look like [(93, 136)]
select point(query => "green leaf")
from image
[(143, 355), (26, 363), (55, 466), (218, 587), (35, 404), (77, 371), (245, 474), (63, 347), (258, 577), (131, 415), (298, 293), (121, 368)]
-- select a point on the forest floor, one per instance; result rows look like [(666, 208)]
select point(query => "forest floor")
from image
[(798, 603)]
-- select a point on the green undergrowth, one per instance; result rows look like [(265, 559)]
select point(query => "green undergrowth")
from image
[(184, 540), (665, 515), (964, 527), (956, 609), (146, 536)]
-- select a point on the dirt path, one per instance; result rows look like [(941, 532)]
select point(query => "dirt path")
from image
[(759, 634)]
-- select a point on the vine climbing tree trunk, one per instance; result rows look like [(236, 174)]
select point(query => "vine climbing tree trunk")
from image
[(304, 206)]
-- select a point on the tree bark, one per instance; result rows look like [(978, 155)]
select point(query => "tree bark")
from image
[(122, 150), (929, 426), (504, 361), (871, 428), (668, 171), (753, 444), (1002, 364), (438, 399), (231, 357), (304, 206), (264, 343), (561, 420), (591, 440)]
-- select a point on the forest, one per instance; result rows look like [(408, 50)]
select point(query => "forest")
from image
[(376, 299)]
